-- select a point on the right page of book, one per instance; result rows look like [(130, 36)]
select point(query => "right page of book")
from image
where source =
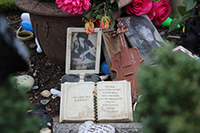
[(114, 101)]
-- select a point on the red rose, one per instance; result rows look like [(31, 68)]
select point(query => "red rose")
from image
[(152, 13), (163, 10), (139, 7)]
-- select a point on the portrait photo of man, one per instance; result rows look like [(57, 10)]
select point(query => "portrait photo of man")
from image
[(83, 51), (142, 35)]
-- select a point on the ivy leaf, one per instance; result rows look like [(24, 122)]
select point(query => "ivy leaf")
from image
[(114, 7), (175, 22), (190, 4)]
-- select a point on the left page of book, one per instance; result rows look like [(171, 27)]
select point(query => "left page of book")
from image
[(77, 102)]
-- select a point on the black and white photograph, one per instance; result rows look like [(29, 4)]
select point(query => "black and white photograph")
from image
[(142, 35), (83, 50)]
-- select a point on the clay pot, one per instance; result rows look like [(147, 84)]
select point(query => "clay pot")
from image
[(50, 24)]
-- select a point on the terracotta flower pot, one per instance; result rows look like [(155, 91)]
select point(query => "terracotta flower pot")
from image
[(50, 27)]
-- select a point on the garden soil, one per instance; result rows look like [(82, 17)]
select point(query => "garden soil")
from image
[(48, 73)]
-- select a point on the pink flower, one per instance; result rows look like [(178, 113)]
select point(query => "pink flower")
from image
[(89, 27), (152, 13), (105, 21), (139, 7), (74, 6), (163, 10)]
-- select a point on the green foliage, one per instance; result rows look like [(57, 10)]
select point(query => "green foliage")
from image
[(170, 90), (13, 110), (100, 8), (185, 12), (190, 4), (7, 5)]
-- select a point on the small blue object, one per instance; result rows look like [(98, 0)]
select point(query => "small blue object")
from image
[(104, 68), (26, 25)]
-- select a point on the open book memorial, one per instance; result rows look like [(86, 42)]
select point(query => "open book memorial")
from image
[(83, 96), (105, 101)]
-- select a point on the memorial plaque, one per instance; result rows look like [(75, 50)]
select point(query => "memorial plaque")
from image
[(109, 100), (114, 101), (77, 102)]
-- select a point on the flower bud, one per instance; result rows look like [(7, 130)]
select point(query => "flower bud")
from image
[(89, 28), (105, 21)]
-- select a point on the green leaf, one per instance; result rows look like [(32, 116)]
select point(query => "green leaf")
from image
[(191, 4), (98, 7), (112, 19), (186, 1), (110, 13), (114, 7), (175, 22), (99, 16), (99, 12), (182, 10), (186, 17), (86, 14)]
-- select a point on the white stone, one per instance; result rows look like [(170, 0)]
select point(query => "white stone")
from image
[(55, 93), (90, 127), (25, 82), (45, 130)]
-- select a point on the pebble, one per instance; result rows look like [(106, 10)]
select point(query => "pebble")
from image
[(33, 45), (48, 109), (45, 130), (35, 87), (45, 93), (44, 101), (25, 82)]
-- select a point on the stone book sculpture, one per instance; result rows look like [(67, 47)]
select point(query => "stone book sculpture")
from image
[(105, 101)]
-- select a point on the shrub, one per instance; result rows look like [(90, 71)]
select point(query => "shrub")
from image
[(170, 101), (7, 5), (13, 110)]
